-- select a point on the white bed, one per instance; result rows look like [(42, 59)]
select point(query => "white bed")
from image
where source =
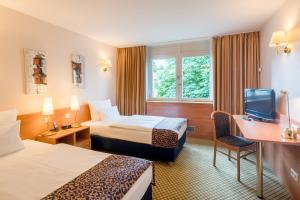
[(141, 134), (39, 169)]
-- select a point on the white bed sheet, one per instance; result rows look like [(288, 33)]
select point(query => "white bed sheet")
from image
[(104, 129), (40, 169)]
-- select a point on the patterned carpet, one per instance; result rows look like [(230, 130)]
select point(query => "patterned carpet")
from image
[(193, 177)]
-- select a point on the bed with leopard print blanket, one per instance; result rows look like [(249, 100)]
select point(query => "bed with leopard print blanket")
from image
[(150, 137), (111, 179), (165, 133)]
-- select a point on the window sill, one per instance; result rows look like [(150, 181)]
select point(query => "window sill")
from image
[(183, 102)]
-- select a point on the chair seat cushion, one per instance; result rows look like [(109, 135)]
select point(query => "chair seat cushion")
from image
[(236, 141)]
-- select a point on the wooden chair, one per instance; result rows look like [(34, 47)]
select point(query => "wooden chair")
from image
[(223, 138)]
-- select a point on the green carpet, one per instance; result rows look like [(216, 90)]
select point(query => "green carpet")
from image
[(193, 177)]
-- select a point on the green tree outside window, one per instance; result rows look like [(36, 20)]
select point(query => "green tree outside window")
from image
[(195, 77)]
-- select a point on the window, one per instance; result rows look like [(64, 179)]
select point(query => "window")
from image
[(164, 78), (195, 77), (180, 72)]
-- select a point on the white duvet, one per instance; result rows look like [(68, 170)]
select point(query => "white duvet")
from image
[(40, 169), (136, 128), (137, 122)]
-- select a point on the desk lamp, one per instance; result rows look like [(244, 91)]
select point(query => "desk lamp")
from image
[(75, 107), (47, 111), (288, 132)]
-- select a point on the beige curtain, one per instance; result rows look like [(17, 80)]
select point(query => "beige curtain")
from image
[(131, 64), (236, 61)]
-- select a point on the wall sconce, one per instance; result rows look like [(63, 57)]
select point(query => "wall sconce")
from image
[(106, 64), (280, 41)]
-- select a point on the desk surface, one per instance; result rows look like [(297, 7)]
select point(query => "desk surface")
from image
[(262, 132)]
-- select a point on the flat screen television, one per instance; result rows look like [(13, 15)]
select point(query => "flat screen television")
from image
[(260, 103)]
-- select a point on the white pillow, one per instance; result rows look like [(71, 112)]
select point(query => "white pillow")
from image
[(96, 106), (110, 114), (8, 116), (10, 140)]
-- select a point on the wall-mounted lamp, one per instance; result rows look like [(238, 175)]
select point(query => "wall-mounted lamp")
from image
[(280, 41), (106, 64)]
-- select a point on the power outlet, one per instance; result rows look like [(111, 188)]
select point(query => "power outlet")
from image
[(294, 175), (191, 128)]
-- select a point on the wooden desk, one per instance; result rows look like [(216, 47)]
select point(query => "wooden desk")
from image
[(261, 132)]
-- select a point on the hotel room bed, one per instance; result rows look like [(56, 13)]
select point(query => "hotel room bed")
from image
[(150, 137), (44, 171)]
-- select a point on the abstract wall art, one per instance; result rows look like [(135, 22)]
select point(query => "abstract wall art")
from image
[(77, 65), (35, 71)]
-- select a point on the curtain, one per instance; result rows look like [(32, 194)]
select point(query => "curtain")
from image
[(236, 61), (131, 63)]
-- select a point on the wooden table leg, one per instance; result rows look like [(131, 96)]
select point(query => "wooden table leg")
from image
[(259, 170)]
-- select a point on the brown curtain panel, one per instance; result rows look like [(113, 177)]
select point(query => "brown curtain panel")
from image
[(131, 64), (236, 61)]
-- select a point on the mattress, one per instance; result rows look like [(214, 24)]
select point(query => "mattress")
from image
[(104, 129), (40, 168)]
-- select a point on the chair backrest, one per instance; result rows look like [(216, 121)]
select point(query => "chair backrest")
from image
[(222, 123)]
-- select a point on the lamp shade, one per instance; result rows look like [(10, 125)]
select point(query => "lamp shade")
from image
[(278, 39), (48, 106), (74, 103), (106, 63)]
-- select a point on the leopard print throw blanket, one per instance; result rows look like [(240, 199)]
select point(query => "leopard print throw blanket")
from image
[(110, 179), (165, 133)]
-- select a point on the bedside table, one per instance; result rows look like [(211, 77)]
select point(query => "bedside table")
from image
[(79, 137)]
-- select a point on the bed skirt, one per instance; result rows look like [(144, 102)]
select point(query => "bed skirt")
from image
[(148, 193), (137, 149)]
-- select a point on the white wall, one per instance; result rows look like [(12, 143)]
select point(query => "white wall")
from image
[(18, 31), (282, 72)]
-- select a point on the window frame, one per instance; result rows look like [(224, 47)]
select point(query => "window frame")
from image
[(194, 54), (150, 78), (178, 57)]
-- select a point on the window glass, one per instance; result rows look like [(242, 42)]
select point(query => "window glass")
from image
[(164, 78), (195, 77), (180, 72)]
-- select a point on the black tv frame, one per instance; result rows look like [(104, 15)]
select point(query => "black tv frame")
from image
[(257, 115)]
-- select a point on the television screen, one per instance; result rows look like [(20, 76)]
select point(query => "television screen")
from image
[(260, 103)]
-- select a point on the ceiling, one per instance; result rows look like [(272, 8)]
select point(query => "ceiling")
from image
[(133, 22)]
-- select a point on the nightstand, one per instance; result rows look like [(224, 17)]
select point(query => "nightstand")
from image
[(79, 137)]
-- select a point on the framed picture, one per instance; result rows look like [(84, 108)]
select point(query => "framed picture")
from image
[(35, 71), (77, 65)]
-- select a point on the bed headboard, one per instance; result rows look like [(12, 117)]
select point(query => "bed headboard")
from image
[(33, 124)]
